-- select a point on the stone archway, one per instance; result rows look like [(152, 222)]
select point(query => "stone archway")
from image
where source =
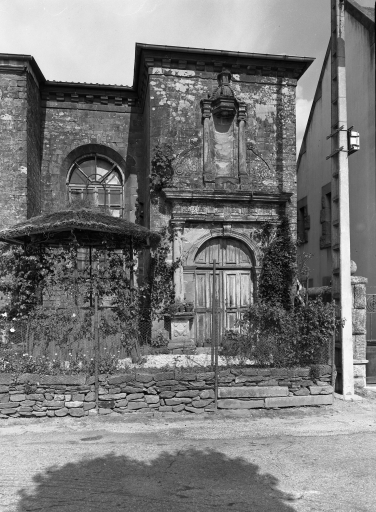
[(235, 283)]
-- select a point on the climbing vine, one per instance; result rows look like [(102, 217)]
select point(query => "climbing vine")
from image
[(161, 168), (278, 272)]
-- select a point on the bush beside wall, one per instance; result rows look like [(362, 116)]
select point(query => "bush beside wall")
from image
[(192, 391)]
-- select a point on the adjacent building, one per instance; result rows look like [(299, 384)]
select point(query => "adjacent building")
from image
[(314, 175)]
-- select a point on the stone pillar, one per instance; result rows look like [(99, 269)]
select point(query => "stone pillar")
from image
[(176, 255), (207, 163), (358, 286), (242, 144)]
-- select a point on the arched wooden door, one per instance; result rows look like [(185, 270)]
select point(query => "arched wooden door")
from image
[(234, 284)]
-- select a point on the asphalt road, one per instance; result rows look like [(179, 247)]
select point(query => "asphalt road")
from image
[(312, 459)]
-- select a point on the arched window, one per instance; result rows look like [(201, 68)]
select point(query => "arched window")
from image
[(100, 179)]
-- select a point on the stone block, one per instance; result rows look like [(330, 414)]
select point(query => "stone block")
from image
[(162, 383), (177, 401), (107, 404), (299, 401), (49, 396), (279, 372), (202, 403), (24, 413), (89, 405), (50, 414), (163, 376), (360, 346), (90, 397), (8, 404), (133, 406), (205, 376), (38, 397), (8, 411), (178, 408), (39, 414), (121, 403), (167, 394), (28, 403), (66, 380), (4, 389), (315, 390), (179, 375), (134, 396), (195, 410), (113, 391), (200, 384), (165, 408), (359, 295), (4, 397), (60, 398), (104, 411), (189, 393), (252, 392), (17, 398), (207, 393), (60, 413), (302, 392), (152, 399), (131, 389), (250, 372), (327, 390), (271, 382), (77, 412), (359, 321), (6, 378), (231, 403), (74, 404), (144, 377), (76, 397), (115, 396)]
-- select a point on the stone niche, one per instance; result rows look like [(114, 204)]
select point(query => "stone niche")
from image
[(224, 146)]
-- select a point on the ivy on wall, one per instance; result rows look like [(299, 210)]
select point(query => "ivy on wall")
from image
[(278, 272)]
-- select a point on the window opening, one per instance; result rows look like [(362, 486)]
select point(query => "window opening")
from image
[(100, 180)]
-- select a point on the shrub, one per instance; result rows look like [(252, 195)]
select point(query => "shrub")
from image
[(278, 267), (270, 335), (15, 362)]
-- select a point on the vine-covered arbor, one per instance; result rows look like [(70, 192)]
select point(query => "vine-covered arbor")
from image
[(68, 261)]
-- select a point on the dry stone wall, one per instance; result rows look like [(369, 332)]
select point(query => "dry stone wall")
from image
[(156, 391)]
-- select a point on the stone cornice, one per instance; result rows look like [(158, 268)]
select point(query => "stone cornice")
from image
[(212, 61), (241, 196), (89, 93)]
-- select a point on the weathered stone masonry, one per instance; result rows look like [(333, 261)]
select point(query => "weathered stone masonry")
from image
[(182, 390), (230, 118)]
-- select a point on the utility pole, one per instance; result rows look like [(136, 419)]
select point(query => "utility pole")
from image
[(341, 278)]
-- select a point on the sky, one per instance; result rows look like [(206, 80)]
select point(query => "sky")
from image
[(94, 40)]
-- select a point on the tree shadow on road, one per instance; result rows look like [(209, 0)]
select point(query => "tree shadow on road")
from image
[(185, 481)]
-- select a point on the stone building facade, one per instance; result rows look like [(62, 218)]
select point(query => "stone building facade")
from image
[(230, 119)]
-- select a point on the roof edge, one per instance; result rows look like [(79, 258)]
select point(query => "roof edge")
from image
[(361, 14), (316, 97), (29, 59)]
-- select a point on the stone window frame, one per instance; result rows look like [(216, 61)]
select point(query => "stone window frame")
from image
[(303, 220), (115, 168), (326, 216)]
